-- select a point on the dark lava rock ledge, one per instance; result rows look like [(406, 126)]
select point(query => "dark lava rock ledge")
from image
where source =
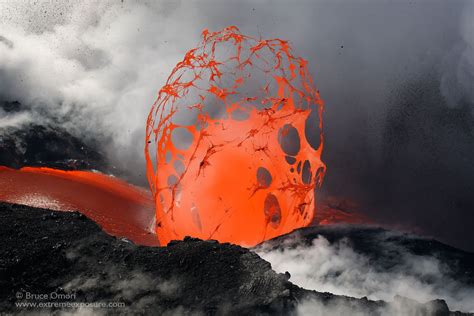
[(67, 258)]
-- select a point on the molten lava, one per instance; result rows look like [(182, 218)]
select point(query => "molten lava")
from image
[(119, 208), (226, 147)]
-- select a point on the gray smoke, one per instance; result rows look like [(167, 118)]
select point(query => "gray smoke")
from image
[(96, 66)]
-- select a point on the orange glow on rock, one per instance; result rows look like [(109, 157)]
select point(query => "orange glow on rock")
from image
[(226, 148)]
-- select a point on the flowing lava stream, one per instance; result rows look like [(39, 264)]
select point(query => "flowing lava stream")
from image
[(121, 209), (227, 150)]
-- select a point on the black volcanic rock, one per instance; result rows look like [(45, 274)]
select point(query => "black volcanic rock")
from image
[(44, 144), (39, 145), (11, 106), (44, 252)]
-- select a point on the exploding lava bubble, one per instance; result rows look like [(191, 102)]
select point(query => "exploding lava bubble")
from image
[(227, 148)]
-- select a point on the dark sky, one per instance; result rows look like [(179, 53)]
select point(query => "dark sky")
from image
[(396, 78)]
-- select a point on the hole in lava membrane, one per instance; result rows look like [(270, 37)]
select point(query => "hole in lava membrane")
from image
[(306, 174), (178, 166), (172, 180), (181, 138), (290, 160), (225, 135), (272, 210), (313, 130), (289, 140), (264, 178)]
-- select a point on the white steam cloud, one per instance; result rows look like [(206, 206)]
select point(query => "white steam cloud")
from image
[(338, 269), (96, 66)]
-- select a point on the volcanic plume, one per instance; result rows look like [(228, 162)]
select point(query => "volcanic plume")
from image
[(227, 156)]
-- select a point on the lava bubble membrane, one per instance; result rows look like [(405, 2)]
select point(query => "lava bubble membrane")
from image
[(226, 142)]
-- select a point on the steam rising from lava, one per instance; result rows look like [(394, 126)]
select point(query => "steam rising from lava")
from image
[(227, 155)]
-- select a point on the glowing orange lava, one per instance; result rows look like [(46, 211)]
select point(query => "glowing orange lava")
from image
[(226, 149), (119, 208)]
